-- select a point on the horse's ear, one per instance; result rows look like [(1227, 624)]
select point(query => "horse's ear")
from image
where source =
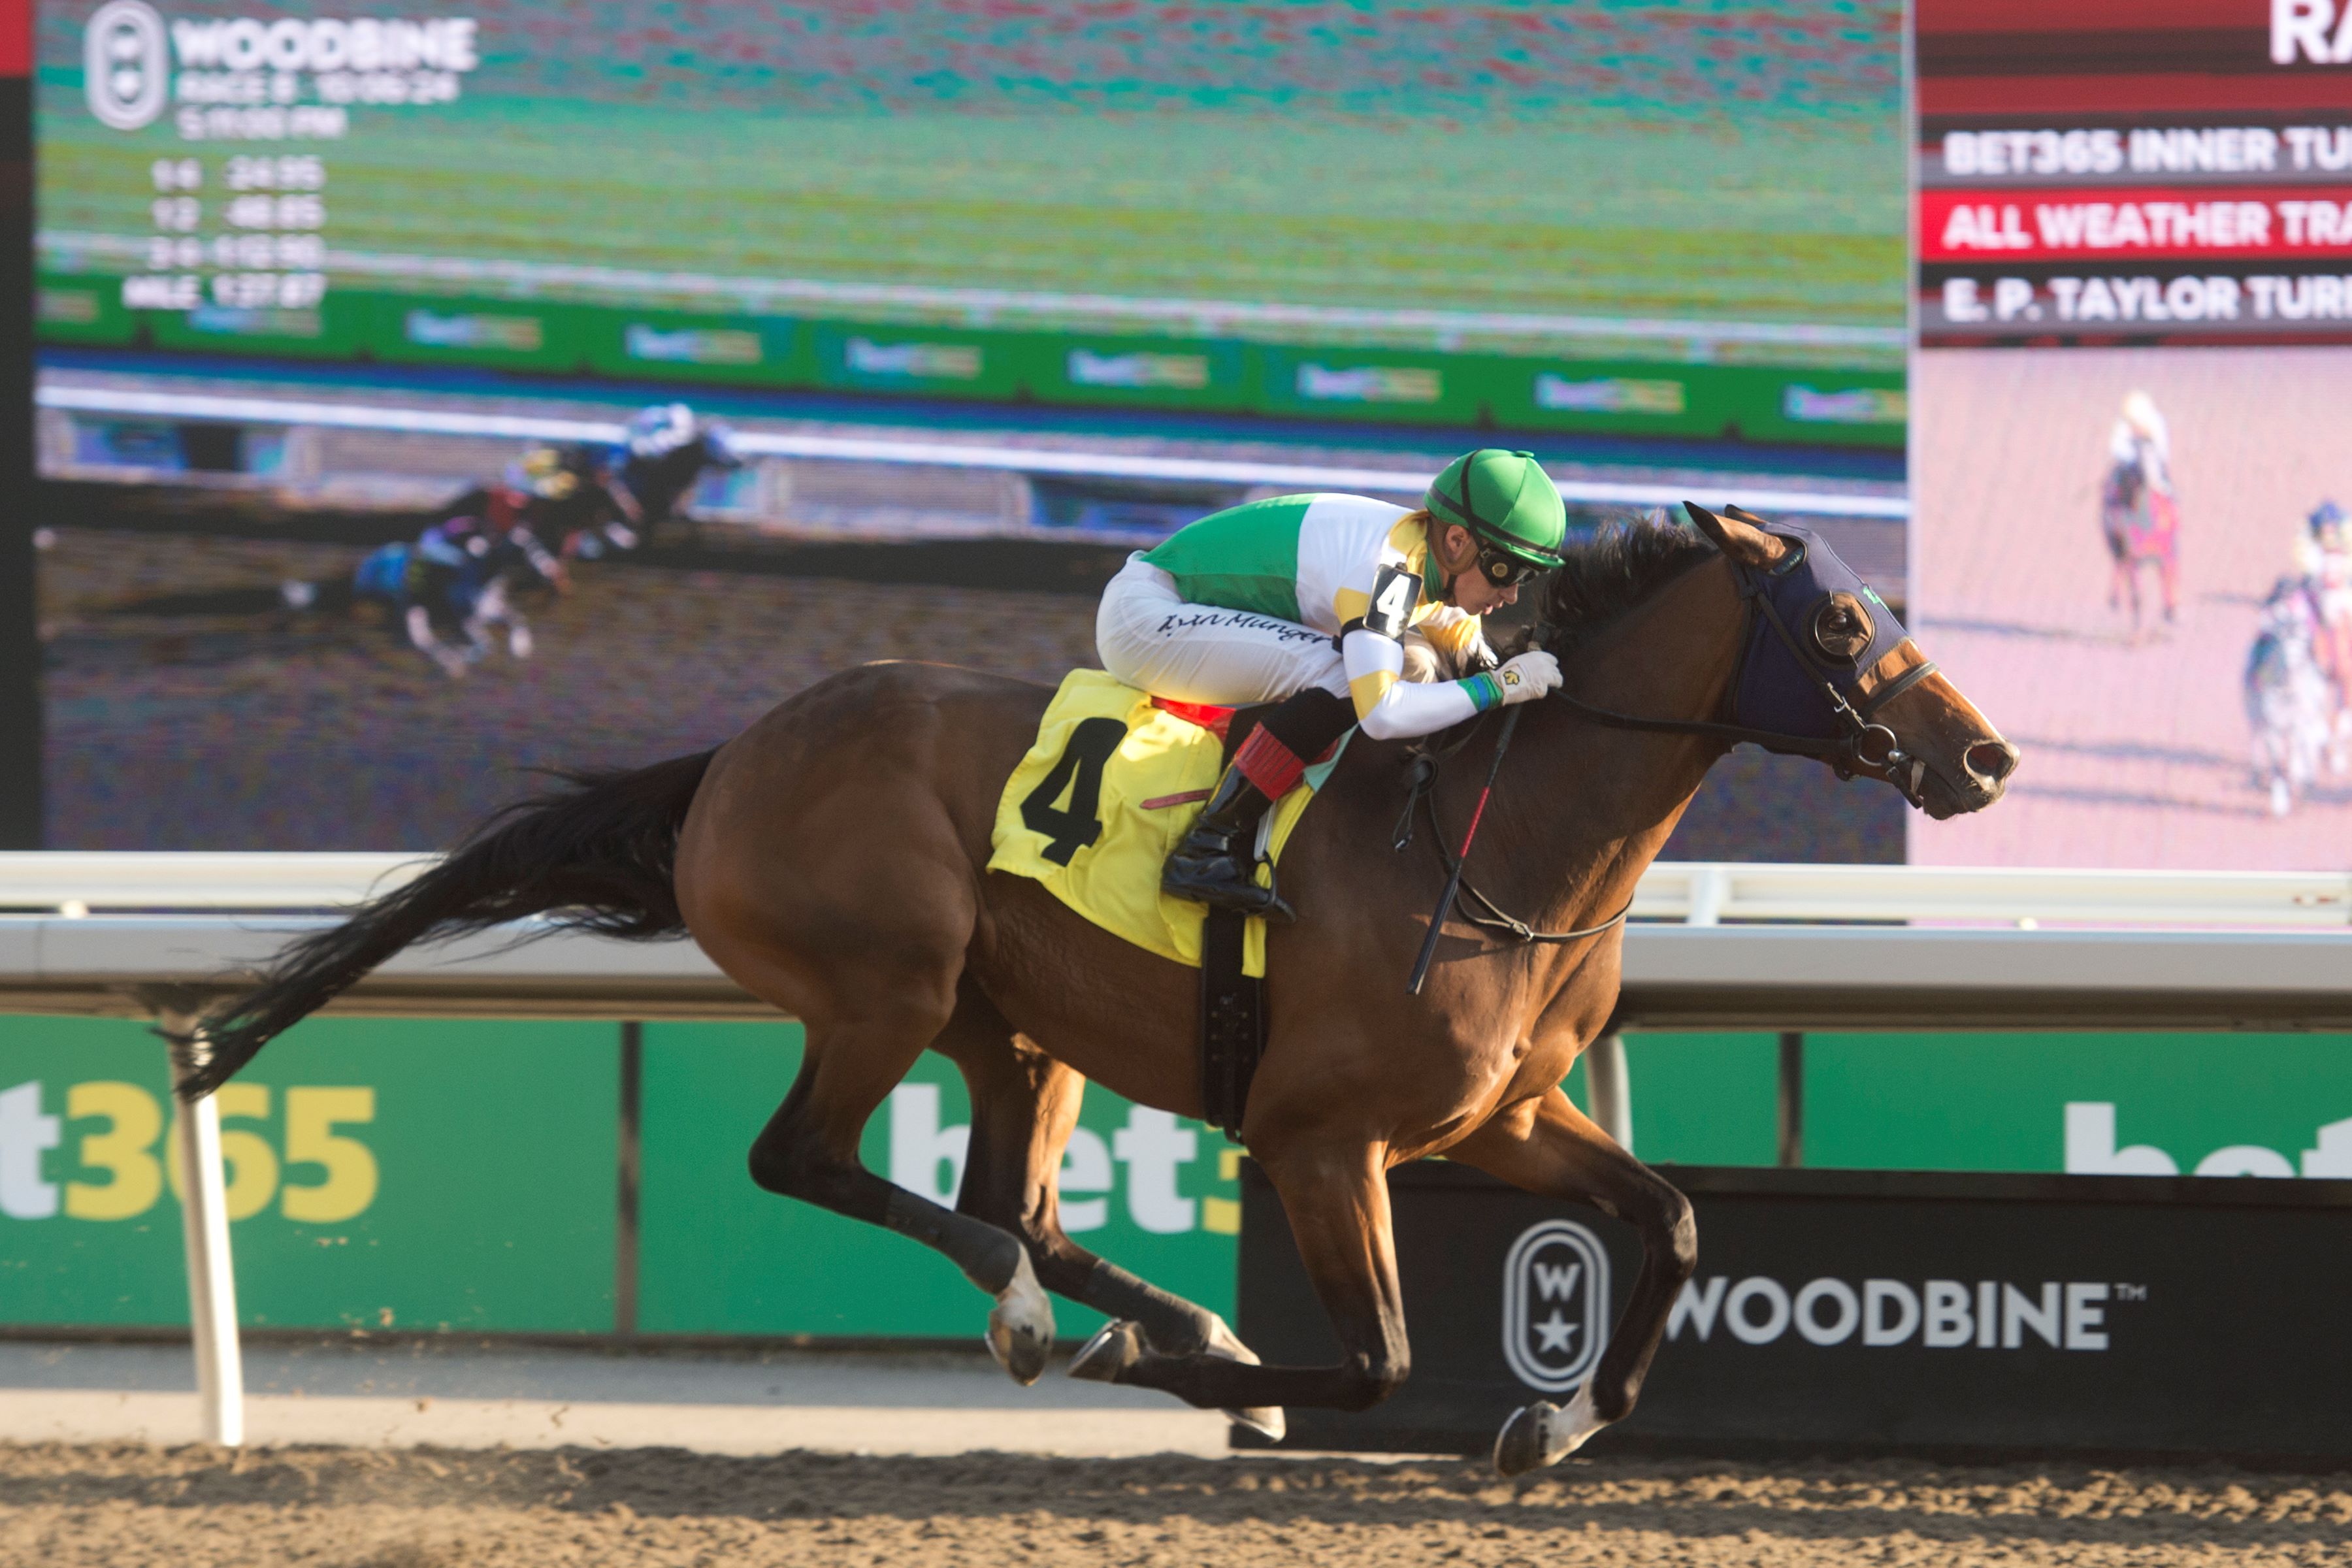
[(1744, 542)]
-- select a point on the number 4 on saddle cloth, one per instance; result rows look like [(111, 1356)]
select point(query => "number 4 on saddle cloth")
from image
[(1113, 782)]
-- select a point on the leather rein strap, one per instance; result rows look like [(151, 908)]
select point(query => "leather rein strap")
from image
[(1496, 918), (1846, 752), (1420, 796)]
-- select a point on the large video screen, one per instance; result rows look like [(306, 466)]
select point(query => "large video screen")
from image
[(979, 298), (2131, 459), (1643, 218)]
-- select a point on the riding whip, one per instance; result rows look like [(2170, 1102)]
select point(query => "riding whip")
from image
[(1454, 882)]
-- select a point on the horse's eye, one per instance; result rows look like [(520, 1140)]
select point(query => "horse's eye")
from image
[(1841, 627)]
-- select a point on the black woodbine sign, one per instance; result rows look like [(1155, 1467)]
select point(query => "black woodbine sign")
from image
[(1861, 1311)]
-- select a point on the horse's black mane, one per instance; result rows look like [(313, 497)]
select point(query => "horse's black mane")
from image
[(1616, 570)]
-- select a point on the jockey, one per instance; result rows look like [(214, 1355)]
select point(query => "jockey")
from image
[(568, 500), (2142, 438), (1308, 602)]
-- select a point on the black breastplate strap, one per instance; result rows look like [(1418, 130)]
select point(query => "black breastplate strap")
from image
[(1420, 799)]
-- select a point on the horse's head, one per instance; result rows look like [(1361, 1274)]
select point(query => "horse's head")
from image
[(1826, 664)]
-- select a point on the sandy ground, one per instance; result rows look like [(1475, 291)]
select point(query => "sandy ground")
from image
[(2135, 753), (127, 1506), (933, 1458)]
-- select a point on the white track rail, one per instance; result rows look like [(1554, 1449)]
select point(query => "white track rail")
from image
[(134, 402), (1698, 892)]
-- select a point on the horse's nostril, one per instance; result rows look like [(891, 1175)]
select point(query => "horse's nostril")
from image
[(1993, 760)]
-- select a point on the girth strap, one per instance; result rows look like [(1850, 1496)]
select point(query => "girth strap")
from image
[(1233, 1021)]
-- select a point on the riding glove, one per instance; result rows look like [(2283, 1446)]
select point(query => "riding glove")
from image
[(1527, 677)]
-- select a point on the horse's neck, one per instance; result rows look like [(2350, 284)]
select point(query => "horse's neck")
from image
[(1590, 806)]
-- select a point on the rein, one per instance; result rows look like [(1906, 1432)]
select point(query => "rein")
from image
[(1864, 745), (1496, 918), (1420, 794)]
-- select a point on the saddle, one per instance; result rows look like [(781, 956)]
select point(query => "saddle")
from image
[(1112, 782)]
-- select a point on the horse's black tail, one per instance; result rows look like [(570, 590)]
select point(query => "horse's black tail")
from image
[(596, 854)]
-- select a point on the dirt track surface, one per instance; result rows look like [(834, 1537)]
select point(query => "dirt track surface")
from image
[(128, 1506)]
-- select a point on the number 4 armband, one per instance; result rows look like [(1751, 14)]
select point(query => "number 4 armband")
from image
[(1396, 592)]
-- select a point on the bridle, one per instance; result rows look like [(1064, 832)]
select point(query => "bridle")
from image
[(1807, 578)]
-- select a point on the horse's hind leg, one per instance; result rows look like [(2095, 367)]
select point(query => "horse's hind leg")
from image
[(1024, 1105), (1546, 1145), (821, 868), (809, 1150), (1336, 1198)]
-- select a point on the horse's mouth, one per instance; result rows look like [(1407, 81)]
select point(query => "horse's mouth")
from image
[(1941, 798)]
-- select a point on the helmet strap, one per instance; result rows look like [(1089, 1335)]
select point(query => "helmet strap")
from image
[(1437, 526)]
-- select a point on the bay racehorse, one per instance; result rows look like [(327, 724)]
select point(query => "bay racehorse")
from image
[(830, 858)]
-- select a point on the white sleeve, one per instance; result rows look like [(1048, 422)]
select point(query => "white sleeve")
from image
[(1390, 708)]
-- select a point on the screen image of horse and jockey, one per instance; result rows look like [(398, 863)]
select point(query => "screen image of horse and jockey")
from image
[(430, 394), (2140, 558), (2129, 449)]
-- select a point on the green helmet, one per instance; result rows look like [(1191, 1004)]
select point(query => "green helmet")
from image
[(1506, 500)]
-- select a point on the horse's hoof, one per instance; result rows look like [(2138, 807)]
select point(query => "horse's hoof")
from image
[(1519, 1446), (1266, 1420), (1115, 1348), (1224, 1341), (1021, 1326), (1544, 1433)]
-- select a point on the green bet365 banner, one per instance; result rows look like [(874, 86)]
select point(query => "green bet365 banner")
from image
[(411, 1175), (380, 1176)]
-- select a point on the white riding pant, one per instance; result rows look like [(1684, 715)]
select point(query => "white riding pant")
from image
[(1150, 637)]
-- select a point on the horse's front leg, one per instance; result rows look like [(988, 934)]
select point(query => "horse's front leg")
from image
[(1337, 1198), (418, 621), (1547, 1146)]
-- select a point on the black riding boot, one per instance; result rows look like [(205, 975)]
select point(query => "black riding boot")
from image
[(1214, 863)]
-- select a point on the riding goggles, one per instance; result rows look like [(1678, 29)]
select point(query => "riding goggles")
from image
[(1505, 570)]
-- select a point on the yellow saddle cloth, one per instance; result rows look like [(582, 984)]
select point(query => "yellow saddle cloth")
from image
[(1112, 783)]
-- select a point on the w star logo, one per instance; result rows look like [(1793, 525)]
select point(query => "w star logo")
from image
[(125, 70), (1555, 1305)]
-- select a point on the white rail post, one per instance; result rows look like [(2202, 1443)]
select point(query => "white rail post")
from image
[(1710, 885), (203, 1231), (1609, 1086)]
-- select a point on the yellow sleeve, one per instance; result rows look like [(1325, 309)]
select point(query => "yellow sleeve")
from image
[(1456, 633)]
